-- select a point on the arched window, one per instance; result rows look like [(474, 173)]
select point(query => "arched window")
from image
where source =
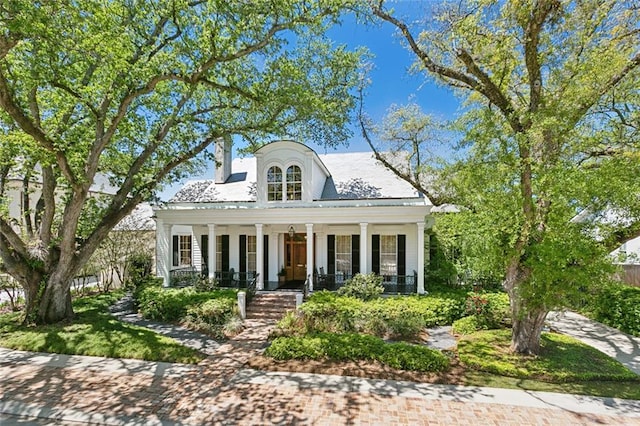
[(294, 183), (274, 184)]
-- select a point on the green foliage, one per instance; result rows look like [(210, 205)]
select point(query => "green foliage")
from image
[(172, 304), (490, 309), (467, 325), (94, 332), (363, 286), (397, 317), (214, 317), (562, 359), (618, 306), (138, 268), (354, 347)]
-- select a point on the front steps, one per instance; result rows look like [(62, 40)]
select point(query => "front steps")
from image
[(271, 306)]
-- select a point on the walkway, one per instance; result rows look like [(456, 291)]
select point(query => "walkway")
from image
[(219, 390), (623, 347)]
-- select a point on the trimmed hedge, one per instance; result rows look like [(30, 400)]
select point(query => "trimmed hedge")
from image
[(354, 347), (172, 304), (618, 306)]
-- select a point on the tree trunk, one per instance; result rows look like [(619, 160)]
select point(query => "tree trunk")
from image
[(528, 319), (527, 327), (55, 302)]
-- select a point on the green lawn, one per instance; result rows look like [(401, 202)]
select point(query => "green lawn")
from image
[(564, 365), (94, 332)]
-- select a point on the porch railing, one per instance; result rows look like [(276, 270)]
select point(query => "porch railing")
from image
[(393, 284), (184, 276)]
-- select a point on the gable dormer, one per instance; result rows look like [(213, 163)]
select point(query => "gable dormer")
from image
[(288, 172)]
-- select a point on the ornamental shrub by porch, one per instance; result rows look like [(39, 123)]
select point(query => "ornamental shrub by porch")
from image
[(363, 286)]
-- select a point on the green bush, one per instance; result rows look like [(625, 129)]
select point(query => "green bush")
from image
[(363, 286), (618, 306), (401, 316), (354, 347), (216, 317), (489, 309), (139, 267), (171, 304), (466, 325)]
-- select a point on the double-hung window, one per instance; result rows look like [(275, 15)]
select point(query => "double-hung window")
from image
[(182, 250), (388, 255), (251, 253), (294, 183), (343, 254)]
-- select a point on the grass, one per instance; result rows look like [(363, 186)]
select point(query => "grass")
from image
[(563, 365), (94, 332)]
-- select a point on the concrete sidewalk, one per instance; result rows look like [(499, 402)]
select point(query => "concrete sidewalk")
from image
[(63, 389)]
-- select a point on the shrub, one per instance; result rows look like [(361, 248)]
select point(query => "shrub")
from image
[(354, 347), (618, 306), (466, 325), (489, 309), (139, 267), (363, 286), (171, 304)]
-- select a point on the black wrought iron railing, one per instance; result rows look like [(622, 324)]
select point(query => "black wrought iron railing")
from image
[(393, 284), (184, 276), (251, 288), (234, 279)]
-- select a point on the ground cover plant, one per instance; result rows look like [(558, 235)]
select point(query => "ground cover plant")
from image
[(94, 332), (354, 347), (212, 312)]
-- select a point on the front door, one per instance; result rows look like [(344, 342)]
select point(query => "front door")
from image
[(296, 257)]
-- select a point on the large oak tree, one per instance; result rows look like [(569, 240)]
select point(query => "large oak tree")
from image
[(550, 128), (137, 91)]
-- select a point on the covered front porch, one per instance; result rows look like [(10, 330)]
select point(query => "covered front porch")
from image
[(286, 256)]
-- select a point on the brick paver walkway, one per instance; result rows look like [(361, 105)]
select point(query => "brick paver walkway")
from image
[(220, 391)]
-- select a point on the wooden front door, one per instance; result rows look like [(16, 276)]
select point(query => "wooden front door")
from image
[(296, 257)]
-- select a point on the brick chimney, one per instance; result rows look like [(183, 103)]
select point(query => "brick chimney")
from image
[(223, 159)]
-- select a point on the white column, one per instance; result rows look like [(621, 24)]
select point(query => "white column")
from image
[(163, 251), (211, 251), (310, 254), (259, 257), (364, 268), (420, 248)]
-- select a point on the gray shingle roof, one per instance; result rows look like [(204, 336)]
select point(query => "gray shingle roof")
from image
[(354, 175)]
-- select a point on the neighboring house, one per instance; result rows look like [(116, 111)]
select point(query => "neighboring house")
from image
[(288, 214), (627, 255), (16, 195)]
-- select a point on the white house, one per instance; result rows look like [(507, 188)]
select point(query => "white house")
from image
[(288, 214)]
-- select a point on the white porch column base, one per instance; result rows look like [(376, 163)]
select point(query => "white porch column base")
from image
[(211, 251), (259, 257), (310, 254), (364, 267), (420, 248)]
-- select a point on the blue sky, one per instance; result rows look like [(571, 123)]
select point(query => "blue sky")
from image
[(391, 81)]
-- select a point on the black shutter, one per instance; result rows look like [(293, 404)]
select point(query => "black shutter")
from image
[(402, 255), (331, 254), (243, 253), (375, 254), (204, 249), (355, 254), (265, 261), (225, 253), (176, 257)]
